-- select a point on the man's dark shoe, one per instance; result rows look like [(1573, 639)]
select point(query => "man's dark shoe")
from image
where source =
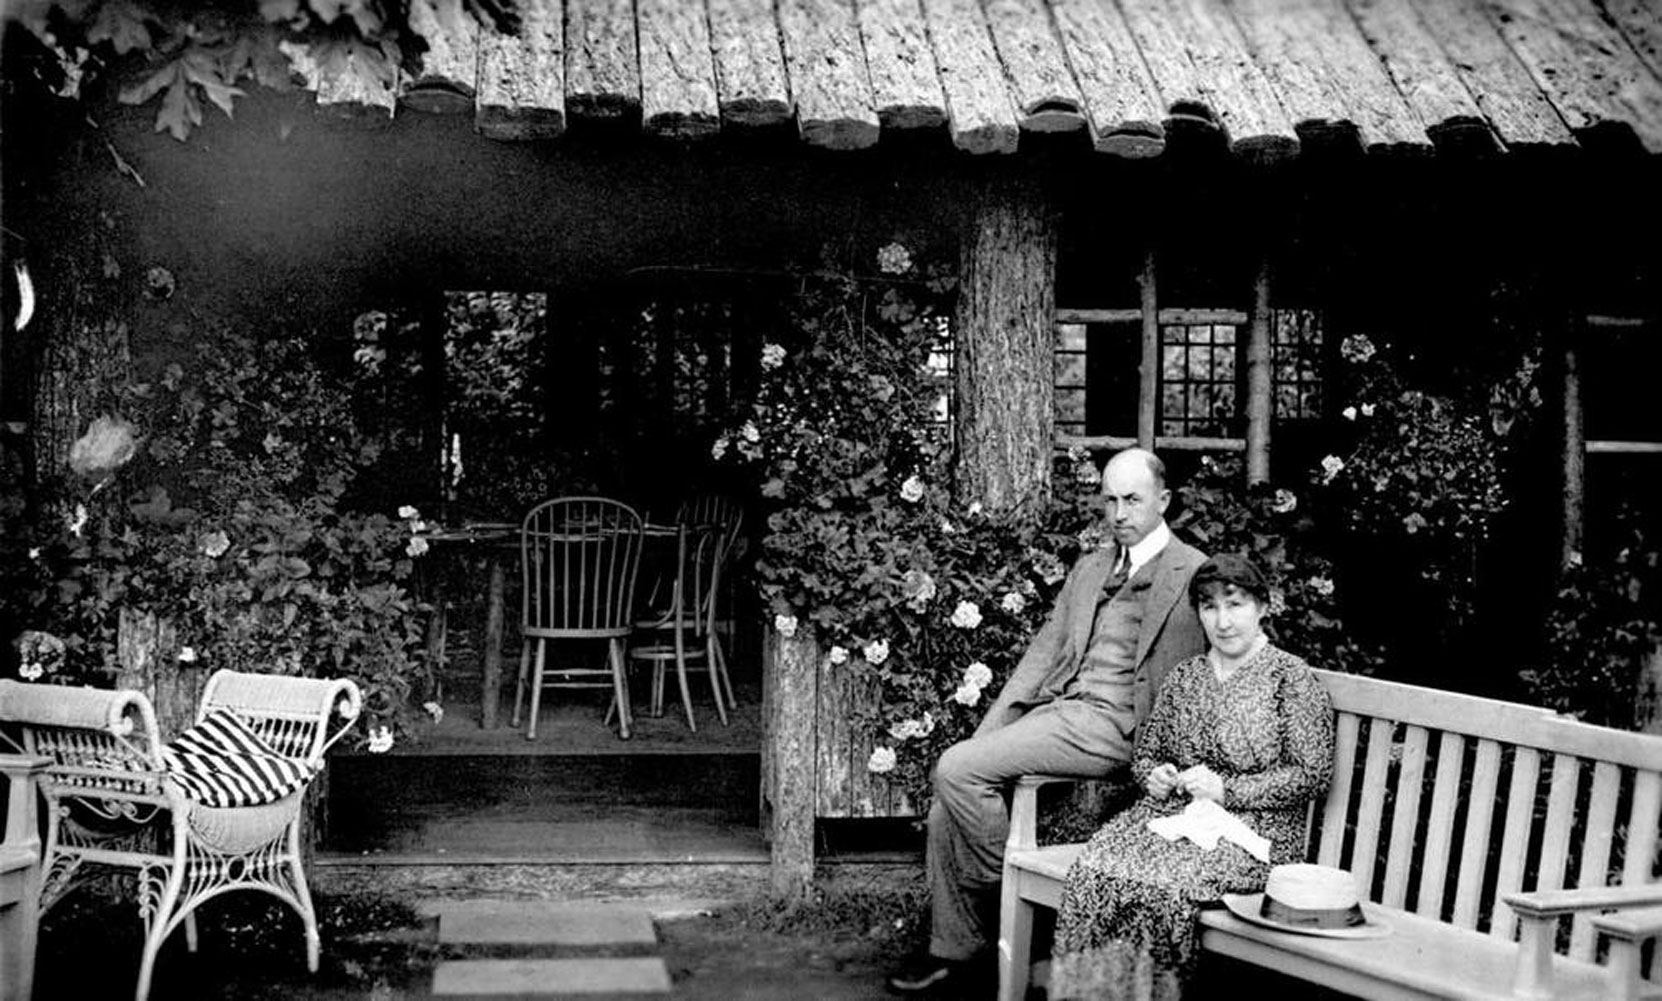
[(934, 977)]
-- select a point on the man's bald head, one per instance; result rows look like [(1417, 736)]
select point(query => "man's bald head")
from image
[(1134, 485)]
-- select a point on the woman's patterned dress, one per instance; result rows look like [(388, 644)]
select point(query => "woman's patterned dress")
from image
[(1127, 926)]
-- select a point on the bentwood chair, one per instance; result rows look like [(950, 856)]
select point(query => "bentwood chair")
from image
[(684, 628), (578, 561), (722, 511), (189, 823)]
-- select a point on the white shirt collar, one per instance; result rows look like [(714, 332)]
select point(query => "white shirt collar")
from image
[(1149, 547)]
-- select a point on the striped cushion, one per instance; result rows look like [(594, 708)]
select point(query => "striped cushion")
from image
[(221, 761)]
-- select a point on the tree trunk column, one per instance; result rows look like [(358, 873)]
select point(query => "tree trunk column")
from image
[(1004, 362), (789, 672)]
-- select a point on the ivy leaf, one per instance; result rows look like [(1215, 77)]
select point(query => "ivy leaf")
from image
[(150, 86), (200, 68), (280, 10), (122, 24), (256, 55), (179, 111)]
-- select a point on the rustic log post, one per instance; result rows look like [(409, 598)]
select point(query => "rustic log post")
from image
[(1574, 459), (1260, 405), (1148, 379), (788, 750), (1005, 374), (1647, 712), (147, 652)]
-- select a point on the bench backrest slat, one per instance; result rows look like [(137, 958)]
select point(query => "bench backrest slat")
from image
[(1474, 847), (1372, 805), (1405, 816), (1514, 838), (1439, 835), (1338, 793), (1555, 833), (1642, 822), (1595, 849)]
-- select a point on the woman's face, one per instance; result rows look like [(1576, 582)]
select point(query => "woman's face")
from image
[(1232, 618)]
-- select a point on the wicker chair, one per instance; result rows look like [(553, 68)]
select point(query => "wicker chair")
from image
[(112, 804)]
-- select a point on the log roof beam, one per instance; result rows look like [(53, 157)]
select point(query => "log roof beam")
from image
[(1328, 78), (1588, 68), (751, 85), (1266, 75), (522, 78), (827, 65)]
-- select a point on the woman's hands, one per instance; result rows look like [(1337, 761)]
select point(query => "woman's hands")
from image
[(1161, 781), (1199, 782)]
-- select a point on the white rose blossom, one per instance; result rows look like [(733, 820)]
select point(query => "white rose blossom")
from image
[(906, 729), (1013, 602), (978, 674), (967, 615), (749, 432), (434, 710), (1321, 585), (719, 447), (408, 512), (773, 356), (1367, 410), (894, 259), (967, 695), (1349, 413), (31, 670), (876, 652), (187, 655), (785, 625), (416, 547), (1285, 501), (1332, 466), (380, 740), (975, 509), (911, 491), (882, 761), (839, 655)]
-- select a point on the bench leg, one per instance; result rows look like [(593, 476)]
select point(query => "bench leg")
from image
[(1015, 940), (1533, 976)]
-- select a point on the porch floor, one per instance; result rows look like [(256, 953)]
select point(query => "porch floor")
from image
[(455, 793)]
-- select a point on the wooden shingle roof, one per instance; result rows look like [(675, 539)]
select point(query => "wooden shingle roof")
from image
[(1395, 74)]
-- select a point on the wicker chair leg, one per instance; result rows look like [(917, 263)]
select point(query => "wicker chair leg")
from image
[(160, 921), (303, 896), (191, 940)]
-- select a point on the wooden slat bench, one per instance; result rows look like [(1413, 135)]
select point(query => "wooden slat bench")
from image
[(1445, 807)]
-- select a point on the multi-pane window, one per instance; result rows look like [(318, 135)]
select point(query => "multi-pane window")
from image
[(1296, 359), (1071, 384), (1201, 378), (1197, 378)]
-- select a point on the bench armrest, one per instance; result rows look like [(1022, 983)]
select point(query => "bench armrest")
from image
[(1552, 903), (1024, 810), (1632, 925), (1538, 912)]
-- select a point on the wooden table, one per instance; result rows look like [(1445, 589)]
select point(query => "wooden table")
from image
[(497, 541)]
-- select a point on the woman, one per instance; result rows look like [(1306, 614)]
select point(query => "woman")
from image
[(1245, 725)]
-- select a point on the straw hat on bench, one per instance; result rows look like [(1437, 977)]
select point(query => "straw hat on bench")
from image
[(1308, 900)]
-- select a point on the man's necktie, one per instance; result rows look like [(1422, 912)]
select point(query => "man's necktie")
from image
[(1122, 570)]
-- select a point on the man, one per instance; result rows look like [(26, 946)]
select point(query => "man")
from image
[(1071, 707)]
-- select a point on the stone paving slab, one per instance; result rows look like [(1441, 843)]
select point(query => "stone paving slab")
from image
[(535, 922), (551, 978)]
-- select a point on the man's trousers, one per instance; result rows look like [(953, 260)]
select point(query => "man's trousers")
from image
[(969, 821)]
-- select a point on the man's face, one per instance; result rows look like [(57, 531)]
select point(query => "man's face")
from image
[(1135, 504)]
